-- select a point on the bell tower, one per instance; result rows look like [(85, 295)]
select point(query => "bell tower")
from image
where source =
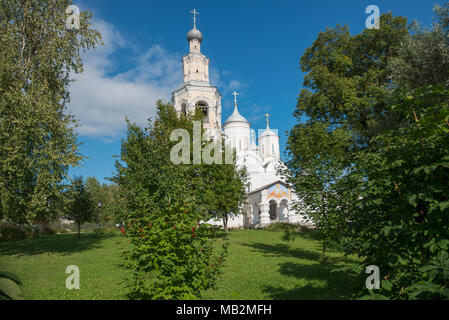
[(196, 92)]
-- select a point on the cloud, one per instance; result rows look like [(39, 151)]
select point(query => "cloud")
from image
[(257, 112), (102, 96), (106, 93)]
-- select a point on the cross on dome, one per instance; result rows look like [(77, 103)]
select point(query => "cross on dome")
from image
[(195, 13), (235, 94)]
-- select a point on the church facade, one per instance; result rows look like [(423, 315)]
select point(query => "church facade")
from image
[(269, 197)]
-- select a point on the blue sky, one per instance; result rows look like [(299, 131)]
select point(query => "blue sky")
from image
[(254, 47)]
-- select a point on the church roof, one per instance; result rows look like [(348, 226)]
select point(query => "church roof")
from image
[(195, 34), (236, 117), (268, 131)]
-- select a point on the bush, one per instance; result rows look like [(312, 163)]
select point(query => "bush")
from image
[(103, 230), (46, 230), (280, 226), (12, 232)]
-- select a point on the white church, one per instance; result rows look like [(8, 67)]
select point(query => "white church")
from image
[(269, 198)]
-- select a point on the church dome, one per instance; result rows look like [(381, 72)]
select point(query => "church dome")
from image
[(236, 117), (195, 34), (268, 132)]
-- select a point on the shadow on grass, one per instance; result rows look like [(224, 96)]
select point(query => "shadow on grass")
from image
[(323, 283), (282, 250), (337, 285), (62, 244), (219, 234)]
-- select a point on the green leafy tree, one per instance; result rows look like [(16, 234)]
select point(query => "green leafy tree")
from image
[(401, 221), (343, 104), (82, 206), (424, 58), (106, 196), (37, 140), (227, 194), (172, 254), (382, 152)]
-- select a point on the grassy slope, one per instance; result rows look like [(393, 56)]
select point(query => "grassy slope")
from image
[(259, 266)]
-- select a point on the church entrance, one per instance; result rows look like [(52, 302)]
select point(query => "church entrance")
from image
[(273, 210)]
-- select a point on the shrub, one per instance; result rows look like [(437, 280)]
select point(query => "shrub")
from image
[(12, 232), (280, 226)]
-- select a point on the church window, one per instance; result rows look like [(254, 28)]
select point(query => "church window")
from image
[(184, 109), (272, 148), (273, 210), (202, 106), (263, 150), (240, 144)]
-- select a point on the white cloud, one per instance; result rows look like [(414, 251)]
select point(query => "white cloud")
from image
[(101, 97)]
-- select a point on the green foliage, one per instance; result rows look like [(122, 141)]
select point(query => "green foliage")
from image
[(402, 220), (37, 140), (280, 226), (424, 57), (10, 232), (82, 206), (8, 286), (107, 198), (370, 161), (172, 254)]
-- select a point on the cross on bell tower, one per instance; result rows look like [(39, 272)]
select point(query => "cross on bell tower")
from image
[(195, 13)]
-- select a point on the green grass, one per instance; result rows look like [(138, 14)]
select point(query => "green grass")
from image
[(41, 265), (259, 266)]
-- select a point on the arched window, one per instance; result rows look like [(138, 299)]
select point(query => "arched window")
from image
[(272, 148), (204, 108), (273, 210), (240, 144), (249, 187), (184, 109)]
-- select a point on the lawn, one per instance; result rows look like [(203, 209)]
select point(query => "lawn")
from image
[(259, 266)]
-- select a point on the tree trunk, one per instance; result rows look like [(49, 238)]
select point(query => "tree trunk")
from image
[(79, 230), (225, 223)]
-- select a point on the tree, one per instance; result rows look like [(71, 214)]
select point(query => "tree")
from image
[(381, 148), (342, 106), (401, 221), (424, 58), (226, 195), (39, 57), (172, 254), (82, 206), (106, 197)]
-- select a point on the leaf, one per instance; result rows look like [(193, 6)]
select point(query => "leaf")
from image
[(386, 285), (444, 205)]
